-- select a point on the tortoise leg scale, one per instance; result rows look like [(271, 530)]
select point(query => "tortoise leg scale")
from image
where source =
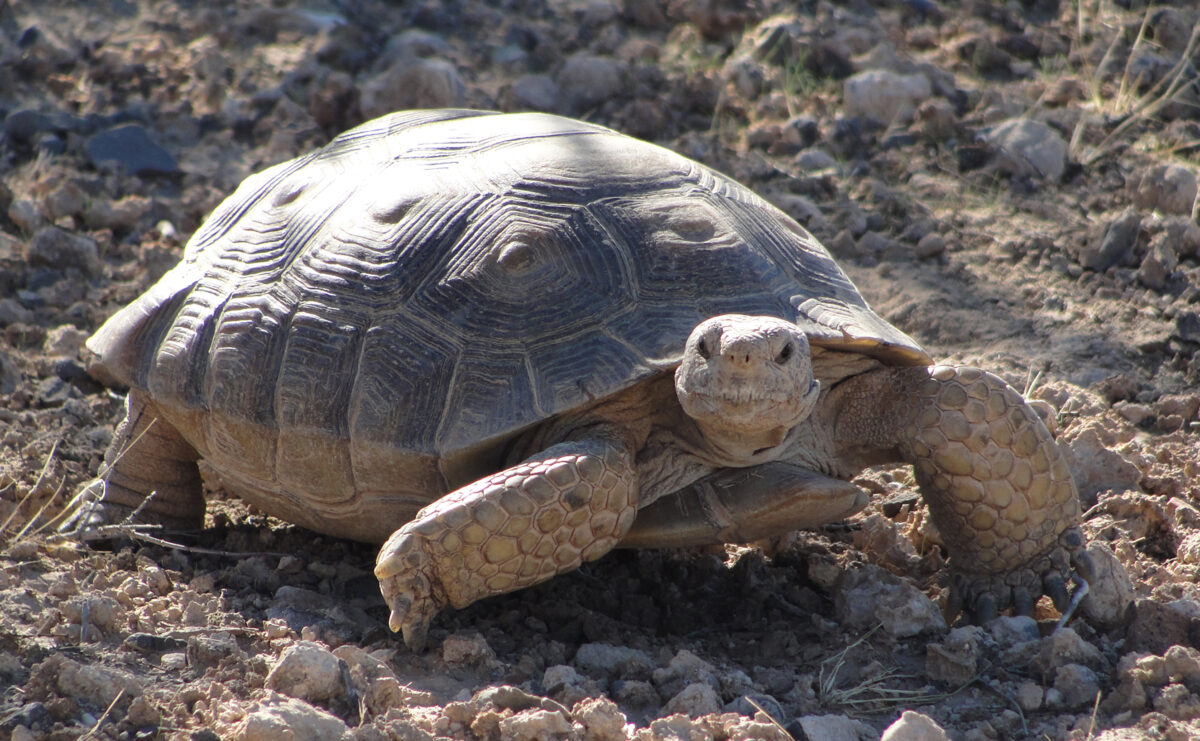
[(997, 485), (547, 515)]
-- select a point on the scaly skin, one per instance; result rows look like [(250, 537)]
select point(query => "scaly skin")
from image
[(997, 485), (511, 530)]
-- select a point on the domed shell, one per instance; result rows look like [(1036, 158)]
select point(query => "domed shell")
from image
[(434, 280)]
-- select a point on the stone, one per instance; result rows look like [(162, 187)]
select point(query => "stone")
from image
[(26, 214), (1011, 630), (683, 669), (64, 340), (601, 719), (1065, 646), (1096, 467), (535, 92), (204, 651), (281, 718), (694, 700), (605, 659), (830, 727), (413, 82), (1110, 592), (59, 248), (1077, 685), (130, 147), (1116, 247), (587, 81), (870, 596), (467, 649), (956, 659), (885, 96), (307, 671), (913, 726), (97, 685), (1166, 189), (10, 373), (534, 725), (1026, 147)]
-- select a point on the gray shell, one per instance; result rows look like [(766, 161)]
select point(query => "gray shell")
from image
[(432, 282)]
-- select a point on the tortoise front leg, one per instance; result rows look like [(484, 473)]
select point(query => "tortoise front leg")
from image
[(569, 504), (998, 487), (740, 505)]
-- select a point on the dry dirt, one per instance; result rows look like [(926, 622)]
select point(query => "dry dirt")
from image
[(1076, 266)]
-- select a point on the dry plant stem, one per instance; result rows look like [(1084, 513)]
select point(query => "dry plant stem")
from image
[(33, 489), (103, 717), (754, 703)]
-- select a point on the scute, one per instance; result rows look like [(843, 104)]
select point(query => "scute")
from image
[(434, 280)]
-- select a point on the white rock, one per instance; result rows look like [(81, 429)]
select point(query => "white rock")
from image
[(911, 726), (1096, 467), (694, 700), (885, 96), (601, 718), (535, 725), (279, 718), (871, 596), (830, 727), (92, 683), (308, 671), (1029, 148)]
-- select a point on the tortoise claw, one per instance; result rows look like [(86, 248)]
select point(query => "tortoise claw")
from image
[(1022, 601), (402, 569), (986, 608), (1056, 588)]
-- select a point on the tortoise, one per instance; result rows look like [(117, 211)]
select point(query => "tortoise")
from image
[(505, 344)]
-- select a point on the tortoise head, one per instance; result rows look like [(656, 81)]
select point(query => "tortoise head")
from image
[(747, 380)]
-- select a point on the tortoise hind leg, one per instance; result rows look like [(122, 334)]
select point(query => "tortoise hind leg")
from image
[(148, 469), (997, 486)]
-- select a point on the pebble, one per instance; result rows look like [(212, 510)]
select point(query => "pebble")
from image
[(956, 659), (605, 659), (282, 718), (694, 700), (1166, 189), (601, 718), (587, 81), (1025, 147), (871, 595), (308, 671), (92, 683), (10, 374), (913, 726), (131, 147), (1077, 685), (467, 649), (885, 96), (1010, 630), (1065, 646), (1095, 466), (1110, 593), (413, 82), (830, 727), (59, 248), (534, 725), (26, 214), (535, 92)]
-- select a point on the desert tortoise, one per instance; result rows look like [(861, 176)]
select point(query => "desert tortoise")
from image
[(504, 344)]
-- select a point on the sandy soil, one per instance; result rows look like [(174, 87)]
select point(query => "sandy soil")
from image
[(1066, 261)]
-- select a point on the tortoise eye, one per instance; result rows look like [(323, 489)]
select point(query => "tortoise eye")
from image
[(702, 348), (785, 354)]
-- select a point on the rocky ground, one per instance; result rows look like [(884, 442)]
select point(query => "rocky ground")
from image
[(1013, 184)]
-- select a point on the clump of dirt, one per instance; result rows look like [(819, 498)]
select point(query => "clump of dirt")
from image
[(1013, 185)]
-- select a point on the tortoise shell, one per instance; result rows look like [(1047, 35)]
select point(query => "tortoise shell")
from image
[(433, 282)]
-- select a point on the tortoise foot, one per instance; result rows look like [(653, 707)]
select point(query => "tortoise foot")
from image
[(406, 579), (571, 503)]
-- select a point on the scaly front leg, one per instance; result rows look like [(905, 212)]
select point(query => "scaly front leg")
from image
[(547, 515), (997, 485)]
